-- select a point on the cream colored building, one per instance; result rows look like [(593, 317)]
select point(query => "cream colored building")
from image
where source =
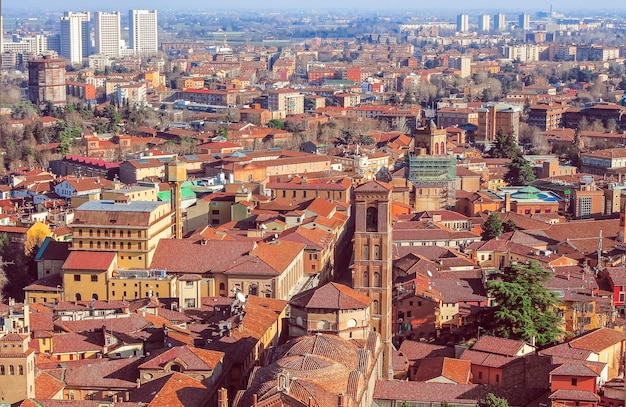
[(129, 229)]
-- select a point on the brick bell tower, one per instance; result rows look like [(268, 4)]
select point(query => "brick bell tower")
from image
[(372, 271)]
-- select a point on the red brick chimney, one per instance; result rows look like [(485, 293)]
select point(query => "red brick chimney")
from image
[(222, 397)]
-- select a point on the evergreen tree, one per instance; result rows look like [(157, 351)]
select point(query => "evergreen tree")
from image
[(520, 172), (505, 146), (492, 227), (509, 226), (525, 308)]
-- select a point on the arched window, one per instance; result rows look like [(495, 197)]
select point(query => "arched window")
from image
[(91, 245), (222, 287), (113, 233), (20, 370), (11, 370), (443, 148), (80, 232), (106, 245), (94, 297), (78, 297), (98, 232), (253, 289), (98, 245), (1, 370), (371, 220), (323, 325), (366, 279), (90, 232), (376, 252), (128, 234), (366, 252), (176, 368), (106, 233), (436, 148), (80, 244), (128, 245), (114, 245), (375, 307), (376, 279)]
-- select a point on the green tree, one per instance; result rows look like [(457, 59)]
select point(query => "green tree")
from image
[(492, 227), (492, 401), (408, 99), (519, 172), (394, 99), (275, 124), (525, 308), (509, 226), (505, 146)]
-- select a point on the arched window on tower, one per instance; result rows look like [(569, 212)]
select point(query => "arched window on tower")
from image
[(371, 220), (366, 279), (375, 307), (443, 148), (436, 152), (376, 279)]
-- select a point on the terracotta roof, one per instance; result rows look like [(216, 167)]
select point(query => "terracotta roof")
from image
[(192, 358), (103, 373), (574, 369), (374, 186), (575, 395), (331, 296), (77, 343), (47, 386), (193, 256), (420, 392), (500, 346), (53, 250), (598, 340), (455, 370), (12, 337), (486, 359), (85, 260), (172, 390), (420, 350)]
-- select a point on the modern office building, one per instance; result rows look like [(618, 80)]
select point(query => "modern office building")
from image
[(499, 22), (143, 32), (524, 21), (75, 36), (46, 80), (462, 23), (484, 22), (107, 32)]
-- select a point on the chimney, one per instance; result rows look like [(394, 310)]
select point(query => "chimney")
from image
[(126, 396), (138, 383), (507, 202), (255, 400), (341, 402), (222, 397)]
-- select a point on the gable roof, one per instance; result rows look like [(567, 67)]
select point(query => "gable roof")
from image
[(193, 358), (598, 340), (499, 346), (86, 260), (452, 369), (177, 390), (331, 296)]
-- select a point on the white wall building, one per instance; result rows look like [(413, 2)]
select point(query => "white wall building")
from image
[(143, 32), (107, 31)]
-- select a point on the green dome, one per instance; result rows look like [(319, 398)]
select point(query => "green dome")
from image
[(528, 192)]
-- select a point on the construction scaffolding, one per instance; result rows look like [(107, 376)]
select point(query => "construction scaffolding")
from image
[(433, 171)]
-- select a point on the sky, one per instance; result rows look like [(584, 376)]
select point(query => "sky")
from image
[(562, 6)]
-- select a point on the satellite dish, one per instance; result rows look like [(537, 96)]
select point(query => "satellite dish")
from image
[(240, 296), (429, 273)]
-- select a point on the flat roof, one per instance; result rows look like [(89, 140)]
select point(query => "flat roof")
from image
[(132, 206)]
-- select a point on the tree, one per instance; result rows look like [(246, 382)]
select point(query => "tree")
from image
[(35, 237), (509, 226), (505, 146), (520, 172), (394, 99), (525, 308), (275, 124), (492, 227), (492, 401)]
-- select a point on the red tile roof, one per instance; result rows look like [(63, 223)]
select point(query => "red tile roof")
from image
[(332, 296), (85, 260), (193, 358), (598, 340), (455, 370), (500, 346)]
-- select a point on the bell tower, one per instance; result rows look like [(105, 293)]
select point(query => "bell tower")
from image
[(372, 271)]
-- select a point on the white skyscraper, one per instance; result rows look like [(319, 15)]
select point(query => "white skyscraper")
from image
[(143, 31), (107, 31), (462, 23), (75, 36), (484, 22)]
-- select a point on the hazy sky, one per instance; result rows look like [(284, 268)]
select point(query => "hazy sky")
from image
[(562, 6)]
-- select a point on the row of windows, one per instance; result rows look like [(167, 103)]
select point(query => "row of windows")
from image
[(11, 370), (98, 233), (113, 245)]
